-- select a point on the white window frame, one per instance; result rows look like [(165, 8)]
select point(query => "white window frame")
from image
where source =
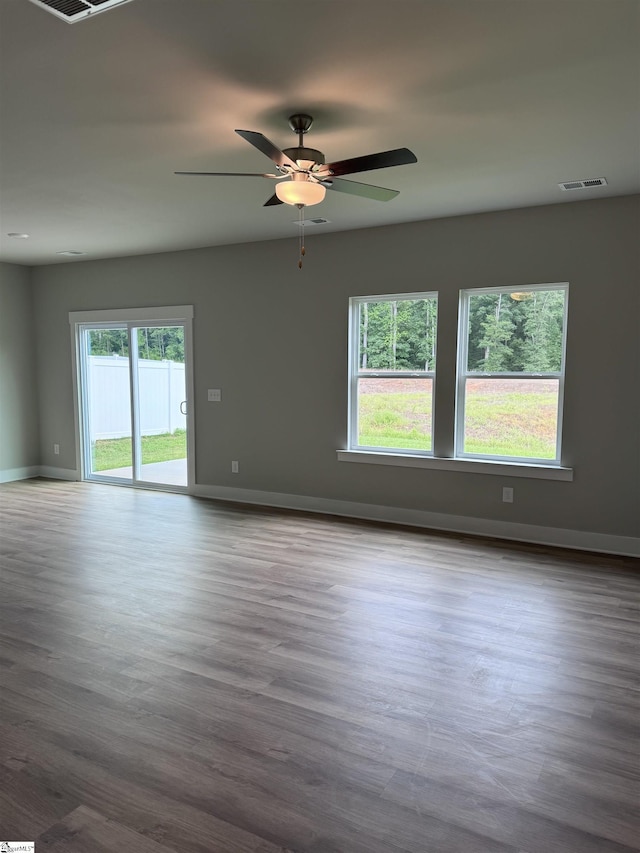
[(463, 373), (355, 373)]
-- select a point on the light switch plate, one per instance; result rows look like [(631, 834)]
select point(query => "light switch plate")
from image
[(214, 395)]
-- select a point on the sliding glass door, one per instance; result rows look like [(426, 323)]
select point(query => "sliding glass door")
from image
[(132, 381), (159, 385)]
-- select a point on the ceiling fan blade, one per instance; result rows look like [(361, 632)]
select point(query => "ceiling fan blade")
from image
[(267, 147), (271, 202), (363, 190), (231, 174), (383, 160)]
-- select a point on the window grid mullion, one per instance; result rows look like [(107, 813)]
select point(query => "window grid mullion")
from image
[(480, 375), (396, 375)]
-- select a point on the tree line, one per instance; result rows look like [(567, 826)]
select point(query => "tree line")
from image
[(519, 332), (506, 334), (155, 343), (398, 334)]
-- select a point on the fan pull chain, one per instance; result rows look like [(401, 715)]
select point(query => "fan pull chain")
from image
[(301, 238)]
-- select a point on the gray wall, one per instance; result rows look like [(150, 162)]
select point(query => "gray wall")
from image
[(274, 339), (19, 447)]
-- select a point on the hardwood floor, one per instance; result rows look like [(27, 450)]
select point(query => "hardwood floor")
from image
[(184, 676)]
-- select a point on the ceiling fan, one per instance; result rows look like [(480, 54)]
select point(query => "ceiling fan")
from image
[(303, 174)]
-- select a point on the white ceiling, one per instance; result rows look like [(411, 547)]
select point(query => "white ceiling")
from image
[(499, 99)]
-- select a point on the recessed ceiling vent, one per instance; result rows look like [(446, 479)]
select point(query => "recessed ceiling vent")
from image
[(75, 10), (318, 221), (583, 185)]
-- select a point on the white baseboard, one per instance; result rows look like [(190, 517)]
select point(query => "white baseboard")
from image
[(581, 540), (577, 539), (57, 473), (47, 471), (11, 474)]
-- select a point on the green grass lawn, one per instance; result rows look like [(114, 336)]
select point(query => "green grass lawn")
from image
[(499, 421), (512, 424), (396, 420), (116, 452)]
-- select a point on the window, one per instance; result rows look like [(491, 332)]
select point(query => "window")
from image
[(393, 359), (508, 390), (511, 347)]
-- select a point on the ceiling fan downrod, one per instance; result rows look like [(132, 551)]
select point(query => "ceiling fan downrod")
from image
[(300, 123), (305, 158)]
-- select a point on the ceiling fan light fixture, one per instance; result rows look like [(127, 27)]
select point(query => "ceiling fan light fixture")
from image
[(300, 192)]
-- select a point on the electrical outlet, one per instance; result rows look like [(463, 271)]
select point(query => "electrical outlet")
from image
[(507, 495), (214, 395), (234, 468), (56, 449)]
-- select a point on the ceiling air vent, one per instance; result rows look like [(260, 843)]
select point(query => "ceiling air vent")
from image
[(318, 221), (75, 10), (583, 185)]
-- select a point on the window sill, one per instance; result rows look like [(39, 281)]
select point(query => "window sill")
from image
[(535, 471)]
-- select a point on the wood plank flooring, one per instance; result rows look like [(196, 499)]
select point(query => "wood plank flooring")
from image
[(185, 676)]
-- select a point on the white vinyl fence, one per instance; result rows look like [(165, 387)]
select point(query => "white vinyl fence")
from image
[(161, 389)]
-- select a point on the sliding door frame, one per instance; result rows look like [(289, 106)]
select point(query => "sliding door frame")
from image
[(129, 318)]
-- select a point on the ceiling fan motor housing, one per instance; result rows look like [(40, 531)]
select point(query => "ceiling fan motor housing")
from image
[(311, 155)]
